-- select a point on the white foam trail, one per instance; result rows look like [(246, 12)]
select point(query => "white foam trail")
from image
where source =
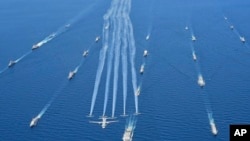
[(118, 22), (98, 77), (77, 68), (201, 82), (102, 57), (212, 123), (150, 18), (17, 60), (132, 50), (198, 69), (82, 13), (45, 108), (124, 68), (64, 28), (81, 62), (149, 32), (210, 116), (236, 32), (109, 64), (129, 127), (191, 31), (83, 59), (58, 32), (3, 70), (124, 56), (26, 54), (117, 39), (110, 58), (192, 47), (209, 112), (73, 20), (197, 65), (207, 103), (131, 122)]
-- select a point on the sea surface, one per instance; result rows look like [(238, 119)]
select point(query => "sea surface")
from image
[(172, 106)]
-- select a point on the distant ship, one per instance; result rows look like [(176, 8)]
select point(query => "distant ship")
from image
[(11, 63), (213, 128), (145, 53), (231, 27), (85, 53), (34, 122), (107, 26), (147, 37), (186, 28), (128, 134), (201, 81), (97, 39), (138, 91), (194, 56), (71, 75), (142, 69), (35, 46), (67, 25), (242, 39), (193, 38)]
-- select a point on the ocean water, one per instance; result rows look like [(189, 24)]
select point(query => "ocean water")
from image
[(172, 106)]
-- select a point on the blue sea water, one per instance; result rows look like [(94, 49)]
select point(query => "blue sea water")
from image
[(172, 105)]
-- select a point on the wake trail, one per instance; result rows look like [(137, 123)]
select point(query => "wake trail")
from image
[(56, 93), (117, 39), (64, 28), (98, 76), (200, 80), (201, 83), (22, 57), (85, 54), (129, 127), (124, 65), (3, 70), (59, 31), (235, 31), (121, 45), (102, 57), (12, 63), (109, 65), (131, 122), (74, 20), (209, 113), (132, 50)]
